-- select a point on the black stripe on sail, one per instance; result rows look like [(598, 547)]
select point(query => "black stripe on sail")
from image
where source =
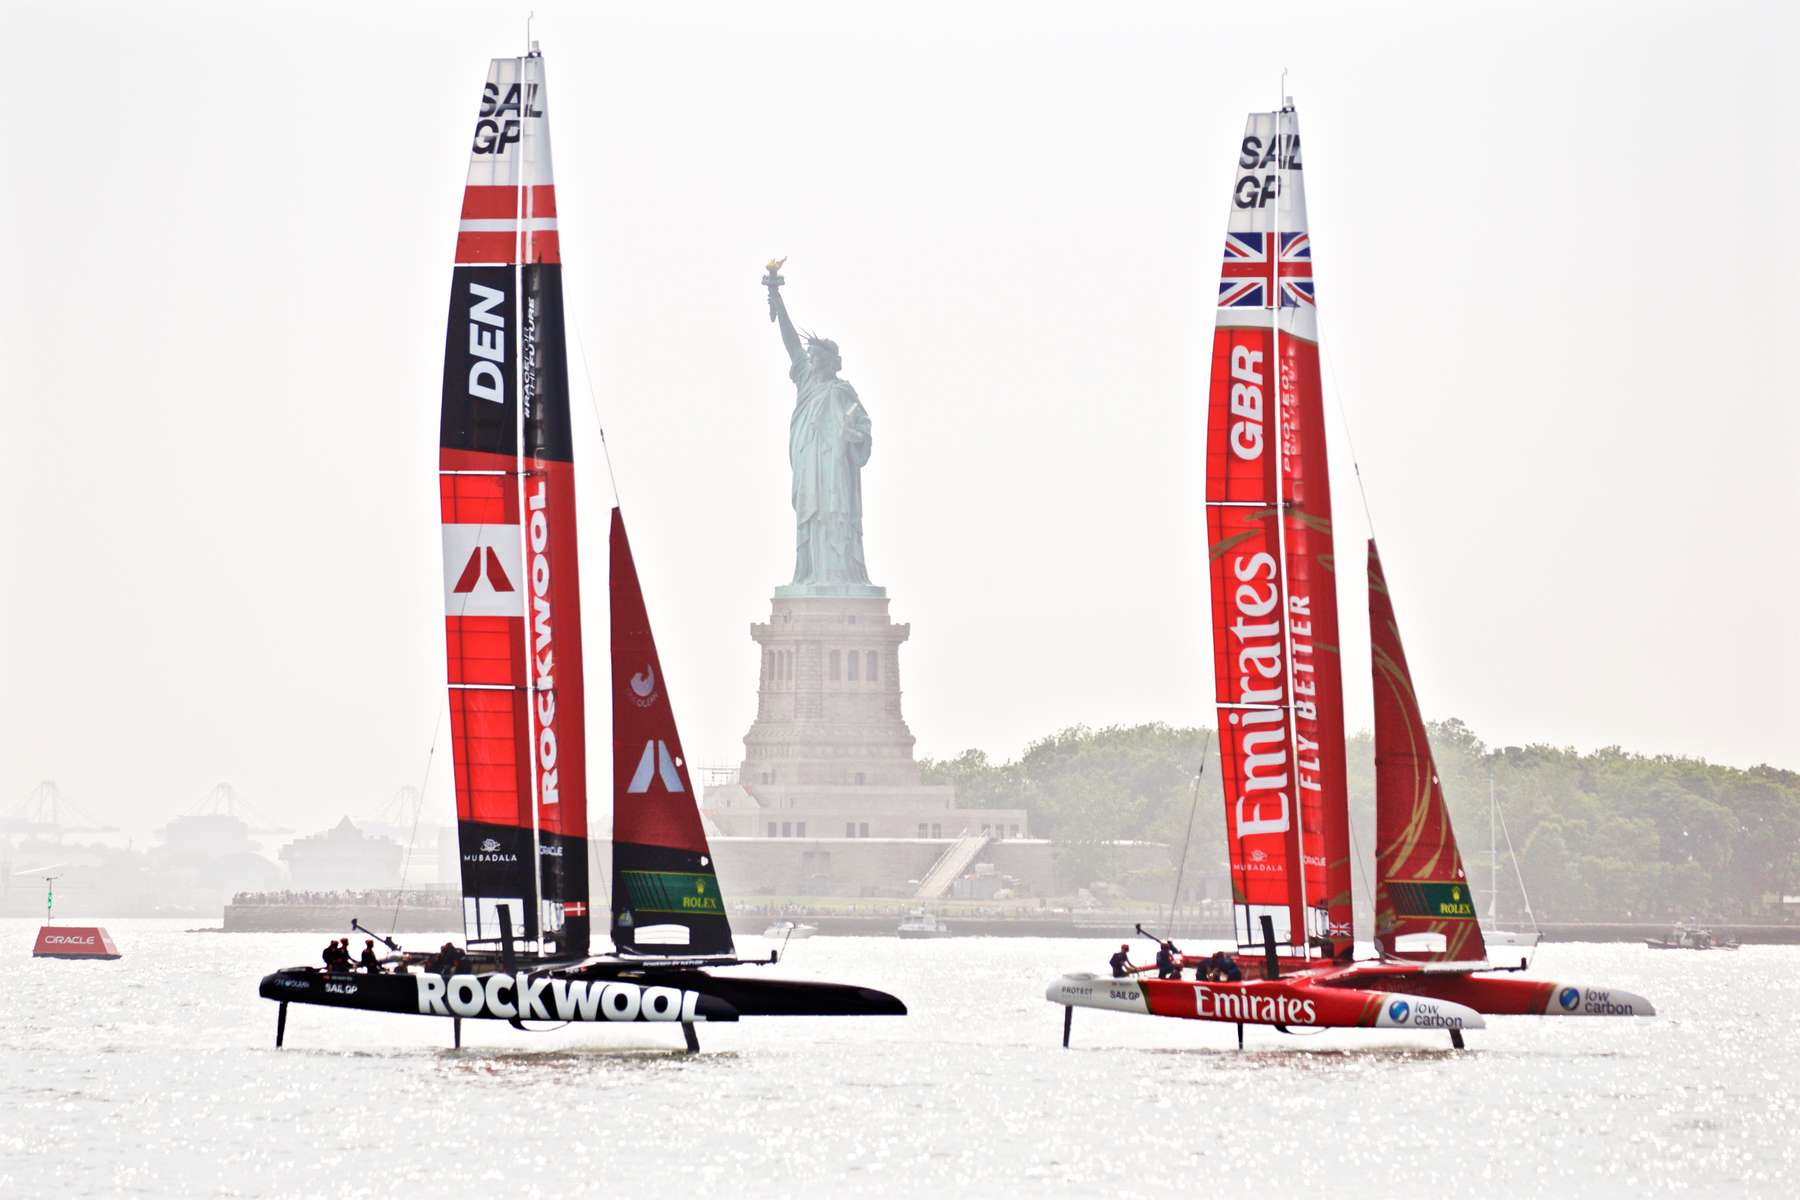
[(544, 359), (496, 870), (654, 888), (564, 862)]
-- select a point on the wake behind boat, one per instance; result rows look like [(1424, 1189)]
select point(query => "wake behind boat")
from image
[(513, 638), (1280, 699)]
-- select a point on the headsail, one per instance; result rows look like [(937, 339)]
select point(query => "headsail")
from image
[(1422, 894), (1268, 495), (511, 588), (665, 892)]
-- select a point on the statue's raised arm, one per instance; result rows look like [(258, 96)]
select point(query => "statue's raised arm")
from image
[(778, 312)]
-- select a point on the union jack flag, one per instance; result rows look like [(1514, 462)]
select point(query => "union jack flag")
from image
[(1247, 275)]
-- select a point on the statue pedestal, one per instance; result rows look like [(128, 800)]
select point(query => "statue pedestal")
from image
[(828, 702), (830, 755)]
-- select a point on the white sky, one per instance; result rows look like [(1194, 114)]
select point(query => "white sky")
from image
[(1556, 259)]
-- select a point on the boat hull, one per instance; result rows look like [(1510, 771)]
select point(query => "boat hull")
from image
[(497, 996), (588, 994), (1500, 995), (1281, 1002)]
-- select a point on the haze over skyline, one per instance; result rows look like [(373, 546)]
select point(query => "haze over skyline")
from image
[(1550, 273)]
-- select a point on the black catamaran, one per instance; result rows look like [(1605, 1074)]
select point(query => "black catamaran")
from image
[(506, 479)]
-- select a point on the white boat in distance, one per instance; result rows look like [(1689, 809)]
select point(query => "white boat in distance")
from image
[(922, 924), (789, 931)]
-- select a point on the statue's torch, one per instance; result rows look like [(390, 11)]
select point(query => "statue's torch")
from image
[(773, 282)]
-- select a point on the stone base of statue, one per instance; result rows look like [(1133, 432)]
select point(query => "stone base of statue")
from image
[(828, 765)]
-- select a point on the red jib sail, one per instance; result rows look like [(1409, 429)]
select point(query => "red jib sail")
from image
[(511, 592), (1423, 906), (665, 891), (1268, 496)]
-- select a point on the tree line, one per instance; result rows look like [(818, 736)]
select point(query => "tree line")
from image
[(1605, 835)]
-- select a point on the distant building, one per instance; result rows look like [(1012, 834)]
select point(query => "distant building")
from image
[(208, 835), (342, 859)]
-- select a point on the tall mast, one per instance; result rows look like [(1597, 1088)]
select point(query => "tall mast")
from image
[(1297, 835), (521, 212)]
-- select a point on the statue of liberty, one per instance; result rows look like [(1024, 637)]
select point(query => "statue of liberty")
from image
[(828, 445)]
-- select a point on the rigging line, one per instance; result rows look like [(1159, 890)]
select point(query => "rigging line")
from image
[(412, 838), (1337, 396), (1187, 841), (1537, 934), (587, 373)]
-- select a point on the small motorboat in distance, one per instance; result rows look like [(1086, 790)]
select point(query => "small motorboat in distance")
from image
[(922, 924), (784, 931), (1691, 937)]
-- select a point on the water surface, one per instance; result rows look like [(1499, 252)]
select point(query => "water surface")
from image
[(157, 1075)]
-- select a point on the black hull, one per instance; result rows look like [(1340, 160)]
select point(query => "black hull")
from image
[(753, 997), (596, 994)]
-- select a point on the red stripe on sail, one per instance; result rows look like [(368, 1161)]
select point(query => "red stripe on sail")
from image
[(493, 784), (486, 247), (543, 247), (1321, 774), (1249, 651), (482, 202), (478, 499), (485, 650), (554, 636)]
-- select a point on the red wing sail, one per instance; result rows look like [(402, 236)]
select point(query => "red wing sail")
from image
[(666, 897), (1268, 494), (1423, 906), (511, 586)]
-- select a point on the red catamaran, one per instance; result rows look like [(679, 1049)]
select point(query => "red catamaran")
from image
[(512, 627), (1280, 695)]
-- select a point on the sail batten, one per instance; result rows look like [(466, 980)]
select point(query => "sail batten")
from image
[(1274, 603)]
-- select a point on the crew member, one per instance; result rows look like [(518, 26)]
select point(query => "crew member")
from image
[(370, 962), (329, 955), (1167, 965), (1222, 968), (1121, 963)]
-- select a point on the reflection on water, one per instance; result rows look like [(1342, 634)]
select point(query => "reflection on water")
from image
[(157, 1075)]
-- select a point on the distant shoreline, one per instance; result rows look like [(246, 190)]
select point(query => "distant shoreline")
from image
[(295, 918)]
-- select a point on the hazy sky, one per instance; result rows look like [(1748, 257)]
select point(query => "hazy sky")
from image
[(1556, 258)]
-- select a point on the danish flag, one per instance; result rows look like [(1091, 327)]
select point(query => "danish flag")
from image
[(575, 908)]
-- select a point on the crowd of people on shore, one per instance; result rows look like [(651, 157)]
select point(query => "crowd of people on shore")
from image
[(373, 898)]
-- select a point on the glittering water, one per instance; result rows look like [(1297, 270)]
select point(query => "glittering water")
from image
[(156, 1075)]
